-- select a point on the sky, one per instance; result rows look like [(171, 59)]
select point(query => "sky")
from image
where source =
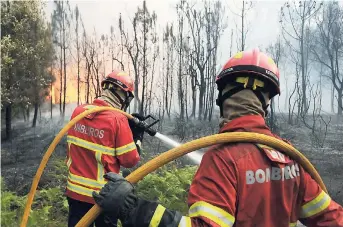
[(101, 14), (262, 20)]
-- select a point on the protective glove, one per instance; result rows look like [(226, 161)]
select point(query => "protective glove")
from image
[(138, 132), (138, 116), (117, 197), (126, 172)]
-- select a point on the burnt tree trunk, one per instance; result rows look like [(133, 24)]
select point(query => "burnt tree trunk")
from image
[(201, 92), (8, 118), (340, 102), (65, 67), (51, 101), (35, 115)]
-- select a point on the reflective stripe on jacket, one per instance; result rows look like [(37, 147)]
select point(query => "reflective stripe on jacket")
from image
[(97, 144)]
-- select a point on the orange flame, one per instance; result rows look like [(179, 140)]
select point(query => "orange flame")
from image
[(71, 90)]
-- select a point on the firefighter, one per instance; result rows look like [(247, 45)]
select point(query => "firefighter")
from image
[(238, 184), (98, 144)]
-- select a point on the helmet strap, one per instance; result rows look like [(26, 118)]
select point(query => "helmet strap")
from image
[(262, 100)]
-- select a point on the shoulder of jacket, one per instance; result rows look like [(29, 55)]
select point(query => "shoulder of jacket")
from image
[(118, 115), (78, 110), (80, 107), (235, 151), (227, 151)]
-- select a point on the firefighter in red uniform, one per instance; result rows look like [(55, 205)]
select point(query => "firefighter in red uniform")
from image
[(239, 184), (98, 144)]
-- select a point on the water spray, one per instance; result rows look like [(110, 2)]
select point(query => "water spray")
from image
[(141, 123), (195, 156)]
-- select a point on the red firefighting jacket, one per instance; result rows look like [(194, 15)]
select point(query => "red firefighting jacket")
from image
[(247, 184), (97, 144)]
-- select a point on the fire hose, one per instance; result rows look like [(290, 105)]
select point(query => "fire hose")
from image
[(168, 156)]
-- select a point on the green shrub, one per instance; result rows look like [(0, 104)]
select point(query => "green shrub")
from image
[(169, 186), (56, 173), (49, 208), (11, 208)]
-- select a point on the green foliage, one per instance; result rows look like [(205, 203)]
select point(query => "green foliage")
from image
[(11, 208), (26, 53), (57, 173), (169, 186), (50, 208)]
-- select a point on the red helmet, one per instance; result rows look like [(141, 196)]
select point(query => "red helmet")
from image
[(120, 79), (249, 69), (252, 63)]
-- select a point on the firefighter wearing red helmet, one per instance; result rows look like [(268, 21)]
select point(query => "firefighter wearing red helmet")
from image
[(241, 184), (98, 144)]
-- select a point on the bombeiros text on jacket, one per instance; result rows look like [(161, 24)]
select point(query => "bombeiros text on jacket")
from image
[(90, 131)]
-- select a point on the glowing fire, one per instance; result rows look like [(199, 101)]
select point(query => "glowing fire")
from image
[(71, 93), (71, 90)]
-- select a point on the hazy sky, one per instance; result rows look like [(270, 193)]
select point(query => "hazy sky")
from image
[(263, 21), (101, 14)]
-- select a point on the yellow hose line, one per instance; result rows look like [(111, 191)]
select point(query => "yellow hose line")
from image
[(166, 157), (49, 152), (197, 144)]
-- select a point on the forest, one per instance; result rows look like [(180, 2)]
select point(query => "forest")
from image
[(52, 61)]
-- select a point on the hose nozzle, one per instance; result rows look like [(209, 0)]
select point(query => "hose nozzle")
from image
[(141, 123)]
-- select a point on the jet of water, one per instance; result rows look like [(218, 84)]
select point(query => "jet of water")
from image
[(194, 156)]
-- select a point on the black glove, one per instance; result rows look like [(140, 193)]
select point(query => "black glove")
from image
[(126, 172), (137, 132), (138, 116), (117, 197), (119, 201)]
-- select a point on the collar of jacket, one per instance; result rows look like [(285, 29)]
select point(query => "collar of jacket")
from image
[(100, 102), (97, 102), (248, 123)]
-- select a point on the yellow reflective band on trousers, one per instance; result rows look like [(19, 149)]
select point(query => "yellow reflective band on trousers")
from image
[(100, 170), (85, 181), (80, 190), (90, 146), (185, 222), (317, 205), (216, 214), (69, 158), (69, 162), (293, 224), (156, 218), (125, 149)]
